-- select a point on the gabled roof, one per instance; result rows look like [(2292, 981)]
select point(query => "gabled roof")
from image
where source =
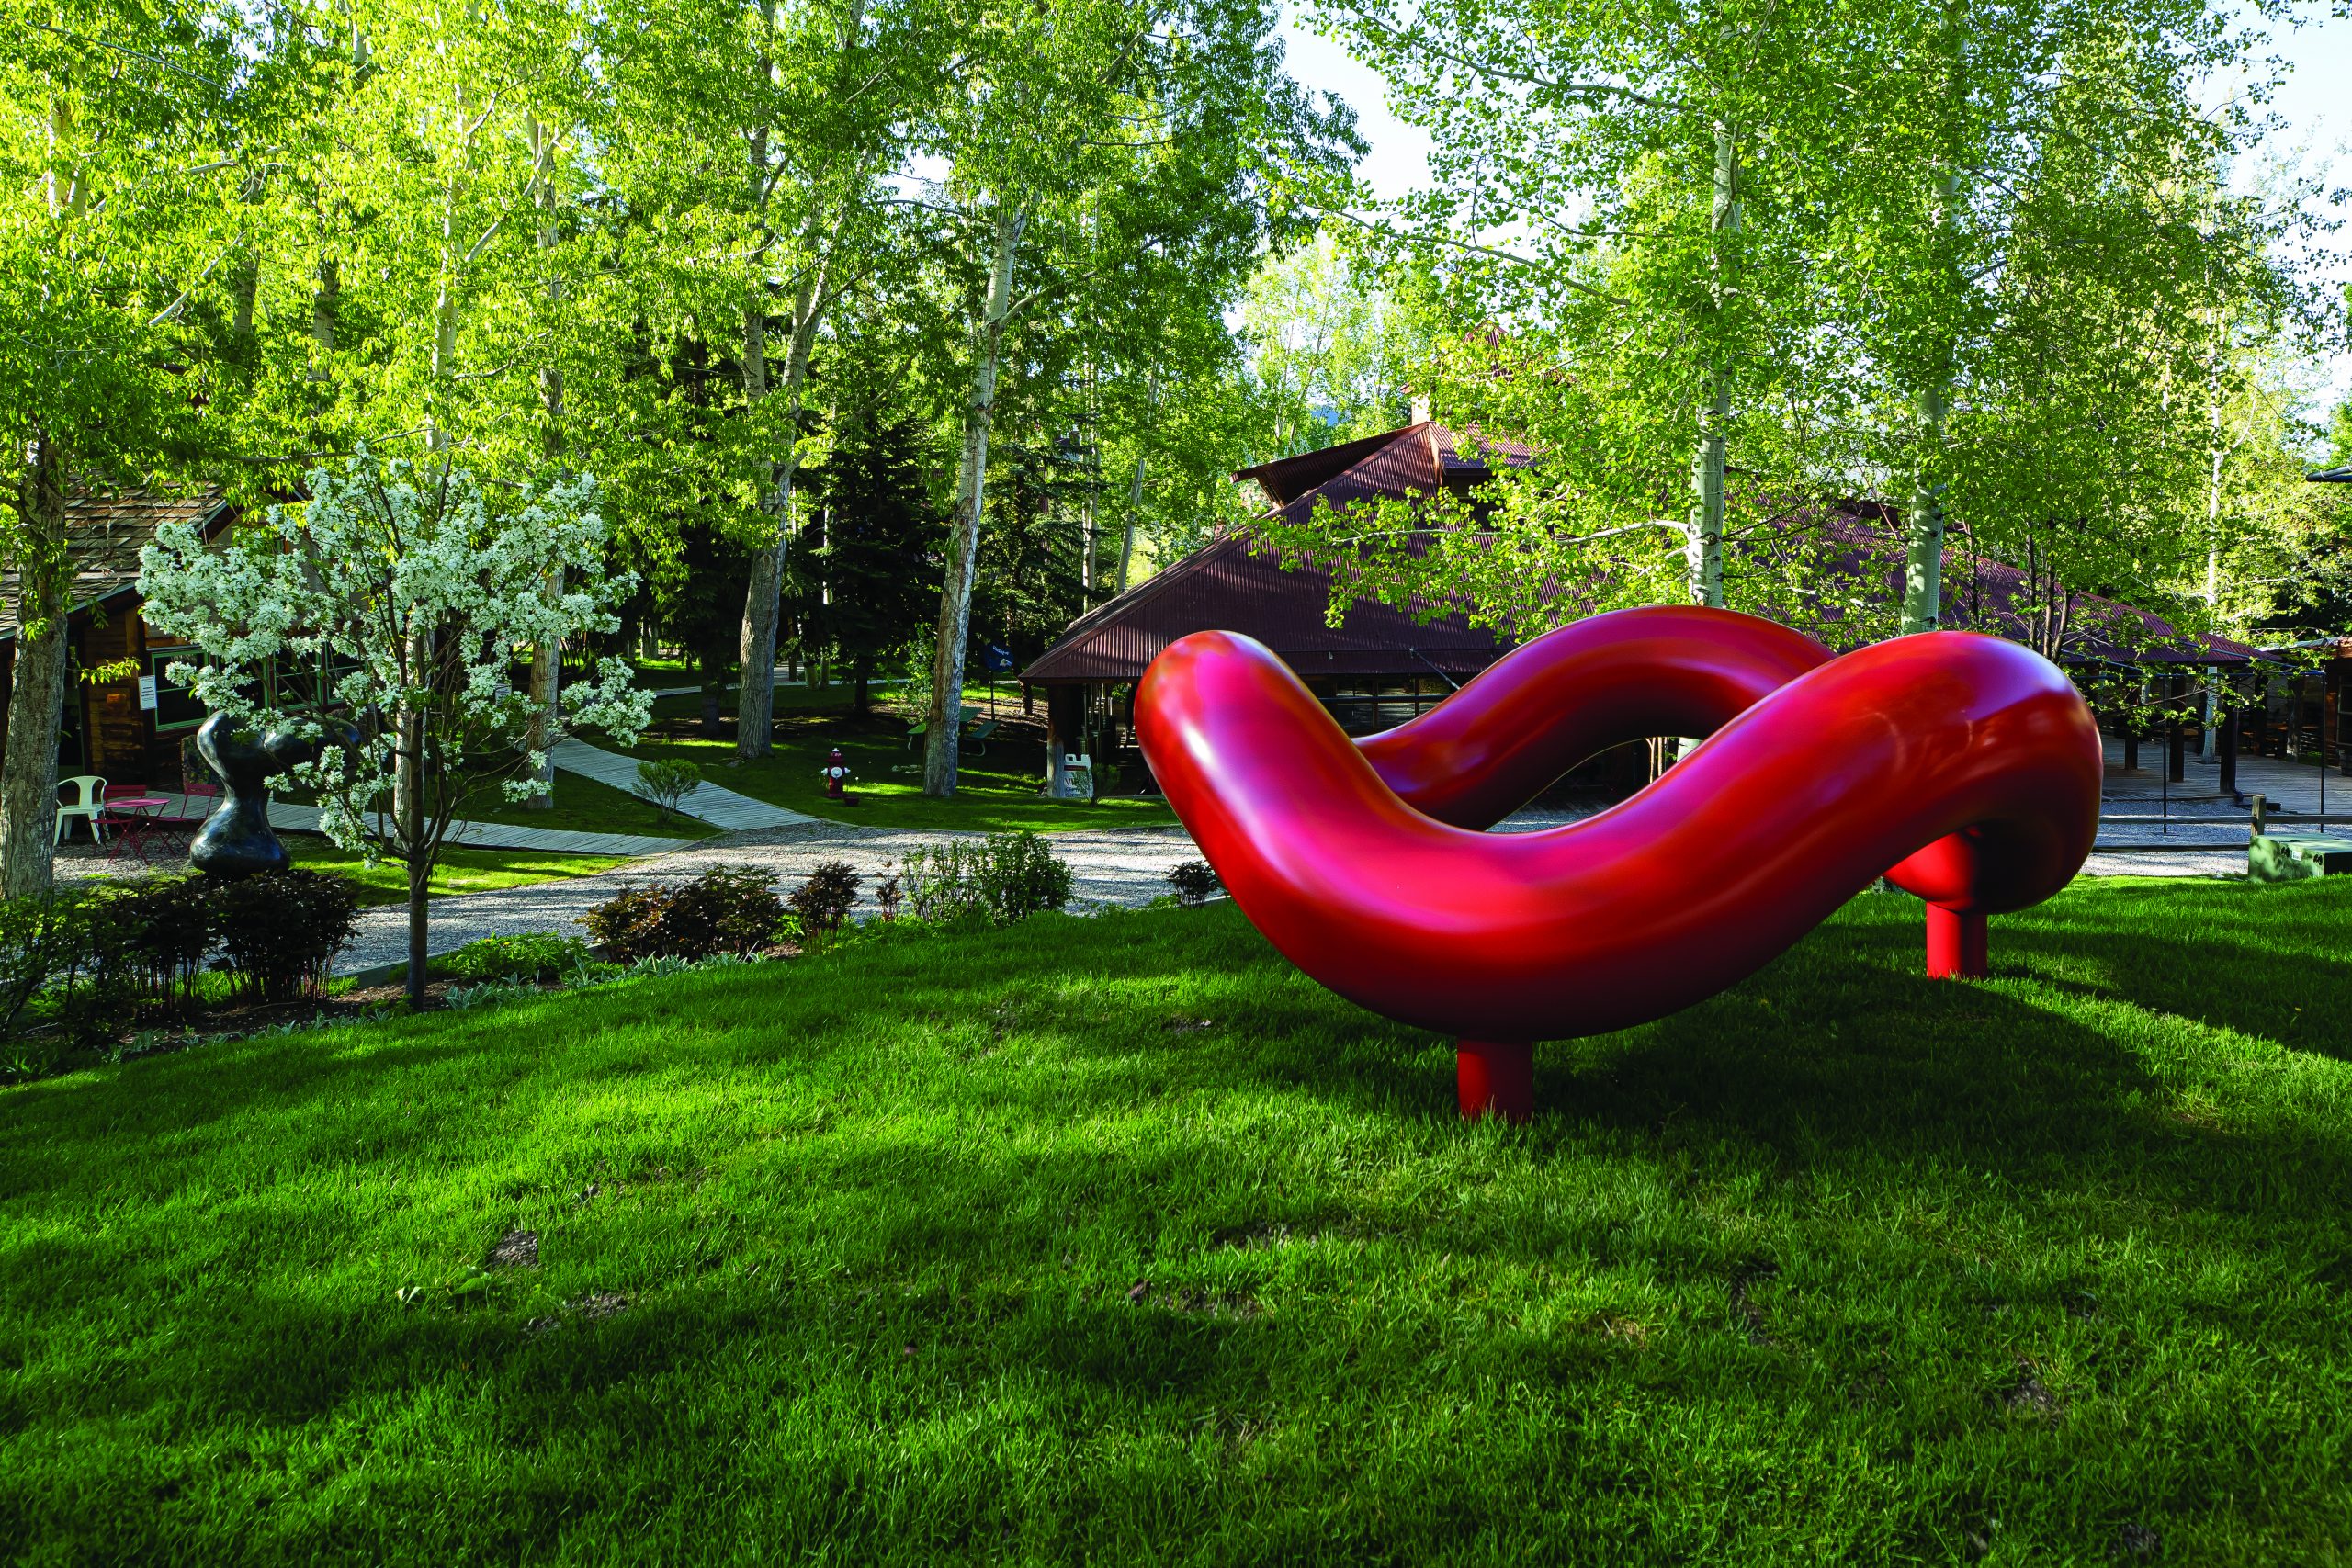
[(1234, 584), (1423, 454), (104, 534)]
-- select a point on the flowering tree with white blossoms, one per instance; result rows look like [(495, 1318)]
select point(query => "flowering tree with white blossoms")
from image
[(383, 619)]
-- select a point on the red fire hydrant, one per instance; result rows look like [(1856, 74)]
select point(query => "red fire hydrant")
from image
[(836, 772)]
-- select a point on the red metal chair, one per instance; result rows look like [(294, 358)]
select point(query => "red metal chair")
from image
[(197, 801), (132, 811)]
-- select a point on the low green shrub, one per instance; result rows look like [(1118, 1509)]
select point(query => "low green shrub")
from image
[(825, 899), (666, 784), (1005, 878), (158, 930), (84, 963), (503, 988), (723, 910), (281, 930), (43, 941), (1021, 876), (530, 955), (941, 886), (1195, 881)]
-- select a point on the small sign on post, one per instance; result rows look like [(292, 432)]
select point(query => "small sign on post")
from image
[(147, 699)]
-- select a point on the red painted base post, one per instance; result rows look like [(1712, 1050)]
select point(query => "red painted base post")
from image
[(1956, 945), (1497, 1076)]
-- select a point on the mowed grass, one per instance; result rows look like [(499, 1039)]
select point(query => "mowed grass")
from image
[(456, 871), (582, 805), (1116, 1240), (996, 791)]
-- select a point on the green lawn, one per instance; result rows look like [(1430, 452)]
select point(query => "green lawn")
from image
[(1117, 1241), (995, 792), (584, 806), (458, 871)]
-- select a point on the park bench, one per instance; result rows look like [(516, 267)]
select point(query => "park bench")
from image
[(963, 715)]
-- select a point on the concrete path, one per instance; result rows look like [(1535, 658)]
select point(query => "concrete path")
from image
[(1124, 867), (1129, 866), (720, 807)]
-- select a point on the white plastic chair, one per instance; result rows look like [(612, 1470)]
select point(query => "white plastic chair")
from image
[(91, 791)]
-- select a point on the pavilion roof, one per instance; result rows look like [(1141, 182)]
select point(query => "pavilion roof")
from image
[(1235, 584)]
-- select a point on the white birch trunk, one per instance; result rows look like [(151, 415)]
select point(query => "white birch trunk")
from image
[(445, 298), (323, 305), (755, 648), (940, 745), (39, 684), (2220, 452), (1922, 558), (1127, 533), (1705, 546), (445, 320), (547, 661)]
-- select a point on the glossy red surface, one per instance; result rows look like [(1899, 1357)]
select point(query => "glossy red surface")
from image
[(1495, 1076), (1964, 766)]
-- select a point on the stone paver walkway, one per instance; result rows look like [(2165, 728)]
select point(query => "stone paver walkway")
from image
[(720, 807)]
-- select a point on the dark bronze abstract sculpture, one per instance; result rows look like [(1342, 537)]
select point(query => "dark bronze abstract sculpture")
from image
[(236, 841)]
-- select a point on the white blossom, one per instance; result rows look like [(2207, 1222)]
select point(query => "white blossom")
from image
[(382, 562)]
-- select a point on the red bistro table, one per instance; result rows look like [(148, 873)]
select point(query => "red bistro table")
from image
[(134, 817)]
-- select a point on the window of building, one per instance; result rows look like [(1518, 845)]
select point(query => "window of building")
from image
[(175, 705)]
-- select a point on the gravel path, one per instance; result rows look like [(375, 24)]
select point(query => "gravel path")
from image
[(1111, 866)]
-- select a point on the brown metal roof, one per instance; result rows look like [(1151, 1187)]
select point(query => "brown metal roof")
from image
[(1286, 479), (1234, 584), (104, 533), (1984, 594), (1427, 452)]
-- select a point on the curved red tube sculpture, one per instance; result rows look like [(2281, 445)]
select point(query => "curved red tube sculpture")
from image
[(1964, 767)]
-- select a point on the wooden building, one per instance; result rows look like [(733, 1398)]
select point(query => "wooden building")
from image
[(1380, 666), (109, 727), (2303, 705)]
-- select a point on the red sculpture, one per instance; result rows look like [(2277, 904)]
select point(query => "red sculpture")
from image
[(1964, 768)]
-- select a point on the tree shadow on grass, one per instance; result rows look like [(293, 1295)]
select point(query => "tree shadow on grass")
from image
[(1839, 1058), (1837, 1050), (1840, 1048)]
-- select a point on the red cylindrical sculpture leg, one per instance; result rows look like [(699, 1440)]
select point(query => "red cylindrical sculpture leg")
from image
[(1497, 1076), (1956, 945)]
